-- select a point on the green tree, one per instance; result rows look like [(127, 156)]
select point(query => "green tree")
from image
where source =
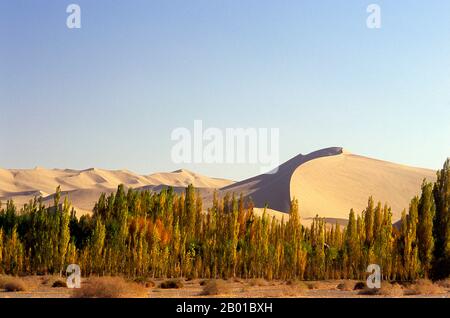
[(351, 246), (441, 233), (425, 226)]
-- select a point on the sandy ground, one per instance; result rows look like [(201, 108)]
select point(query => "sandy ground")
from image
[(40, 287)]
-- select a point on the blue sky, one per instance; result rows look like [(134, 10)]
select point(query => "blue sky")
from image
[(109, 94)]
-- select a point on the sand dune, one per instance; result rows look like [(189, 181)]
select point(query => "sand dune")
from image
[(331, 181), (83, 187), (327, 183), (331, 186)]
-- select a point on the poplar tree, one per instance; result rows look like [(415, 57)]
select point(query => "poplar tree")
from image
[(441, 231), (351, 245), (425, 226), (1, 248)]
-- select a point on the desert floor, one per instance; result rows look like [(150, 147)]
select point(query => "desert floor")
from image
[(41, 287)]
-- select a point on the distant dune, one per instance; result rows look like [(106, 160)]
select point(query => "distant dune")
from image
[(83, 187), (328, 183)]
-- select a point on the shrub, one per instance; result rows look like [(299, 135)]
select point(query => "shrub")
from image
[(237, 280), (392, 290), (258, 282), (346, 285), (108, 287), (295, 287), (387, 289), (144, 281), (12, 284), (359, 286), (216, 287), (203, 282), (445, 283), (314, 285), (369, 291), (425, 287), (172, 283), (59, 283), (296, 283)]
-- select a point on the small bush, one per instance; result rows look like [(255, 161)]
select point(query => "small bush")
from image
[(216, 287), (391, 290), (359, 286), (313, 285), (445, 283), (425, 287), (387, 289), (203, 282), (59, 283), (258, 282), (296, 285), (369, 291), (237, 280), (144, 281), (346, 285), (12, 284), (109, 287), (172, 283)]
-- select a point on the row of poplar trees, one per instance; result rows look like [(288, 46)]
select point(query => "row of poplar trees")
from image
[(166, 234)]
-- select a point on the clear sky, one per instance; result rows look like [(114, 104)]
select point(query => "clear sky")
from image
[(108, 95)]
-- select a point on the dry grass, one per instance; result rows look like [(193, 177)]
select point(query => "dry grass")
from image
[(171, 284), (315, 285), (295, 288), (258, 282), (445, 283), (387, 289), (391, 290), (59, 283), (425, 287), (12, 284), (109, 287), (216, 287), (359, 286), (145, 281), (346, 285)]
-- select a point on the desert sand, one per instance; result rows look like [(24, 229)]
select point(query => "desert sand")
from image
[(328, 183), (331, 181), (83, 187)]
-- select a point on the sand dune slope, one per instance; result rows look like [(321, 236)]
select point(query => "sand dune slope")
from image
[(331, 181), (274, 189), (331, 186)]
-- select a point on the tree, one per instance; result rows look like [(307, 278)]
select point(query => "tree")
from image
[(351, 245), (1, 249), (425, 226), (441, 231), (96, 246), (63, 234)]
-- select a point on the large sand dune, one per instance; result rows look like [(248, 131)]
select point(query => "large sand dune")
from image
[(331, 181), (328, 183)]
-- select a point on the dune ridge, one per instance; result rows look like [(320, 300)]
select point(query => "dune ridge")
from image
[(83, 187), (328, 182)]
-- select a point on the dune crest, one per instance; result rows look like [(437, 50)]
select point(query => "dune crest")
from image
[(83, 187), (327, 182)]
